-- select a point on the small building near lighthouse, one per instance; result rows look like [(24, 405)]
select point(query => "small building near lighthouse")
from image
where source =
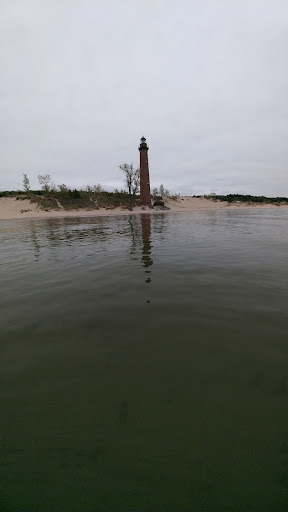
[(145, 195)]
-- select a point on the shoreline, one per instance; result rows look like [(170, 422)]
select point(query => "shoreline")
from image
[(13, 209)]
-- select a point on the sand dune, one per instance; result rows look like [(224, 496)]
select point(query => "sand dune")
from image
[(10, 208)]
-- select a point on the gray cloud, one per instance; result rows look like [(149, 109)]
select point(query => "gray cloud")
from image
[(205, 81)]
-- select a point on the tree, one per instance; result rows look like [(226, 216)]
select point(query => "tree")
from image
[(45, 180), (163, 192), (63, 188), (132, 181), (26, 183), (155, 192), (97, 189)]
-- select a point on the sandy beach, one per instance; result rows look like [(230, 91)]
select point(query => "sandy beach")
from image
[(10, 208)]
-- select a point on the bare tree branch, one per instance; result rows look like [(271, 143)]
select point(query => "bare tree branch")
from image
[(45, 180), (132, 181)]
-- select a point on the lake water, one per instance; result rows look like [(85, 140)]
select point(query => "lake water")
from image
[(144, 363)]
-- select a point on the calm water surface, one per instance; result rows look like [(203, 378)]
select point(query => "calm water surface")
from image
[(143, 363)]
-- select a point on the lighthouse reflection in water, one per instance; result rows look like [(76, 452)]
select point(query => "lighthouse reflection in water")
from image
[(141, 246), (147, 245)]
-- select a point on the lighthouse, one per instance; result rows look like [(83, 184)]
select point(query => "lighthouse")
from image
[(145, 195)]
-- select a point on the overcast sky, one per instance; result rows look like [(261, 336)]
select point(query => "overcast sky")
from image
[(206, 82)]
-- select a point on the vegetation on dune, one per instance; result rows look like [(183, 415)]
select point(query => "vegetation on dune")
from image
[(246, 198), (91, 199), (162, 193), (159, 196), (61, 197), (76, 199)]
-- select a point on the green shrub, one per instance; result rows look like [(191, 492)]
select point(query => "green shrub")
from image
[(75, 194), (246, 198)]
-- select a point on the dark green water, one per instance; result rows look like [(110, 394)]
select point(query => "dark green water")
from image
[(144, 363)]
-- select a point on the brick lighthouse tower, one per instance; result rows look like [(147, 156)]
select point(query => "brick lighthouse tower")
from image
[(145, 195)]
